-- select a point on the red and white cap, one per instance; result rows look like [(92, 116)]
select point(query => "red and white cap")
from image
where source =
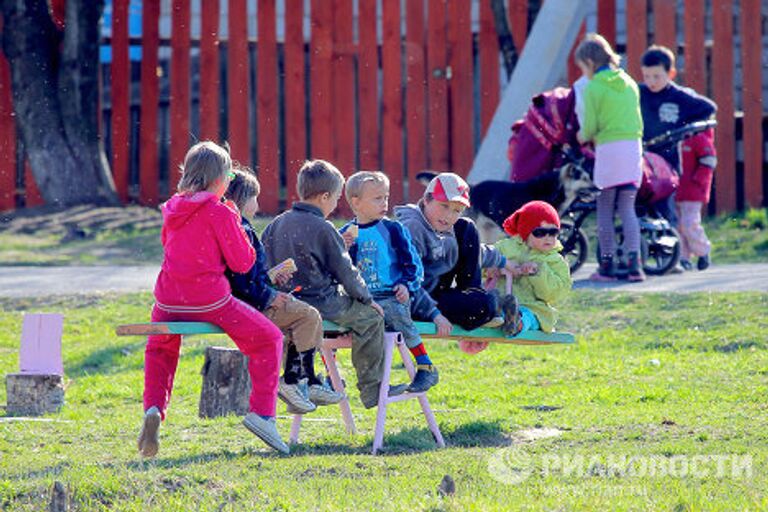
[(448, 186)]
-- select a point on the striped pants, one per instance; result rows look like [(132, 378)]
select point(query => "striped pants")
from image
[(693, 238)]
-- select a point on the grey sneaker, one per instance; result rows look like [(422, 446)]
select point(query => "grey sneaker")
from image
[(495, 322), (323, 395), (149, 438), (266, 430), (511, 311), (426, 377), (296, 396)]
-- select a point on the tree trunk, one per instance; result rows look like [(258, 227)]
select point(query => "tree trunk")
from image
[(33, 395), (506, 43), (226, 383), (56, 98)]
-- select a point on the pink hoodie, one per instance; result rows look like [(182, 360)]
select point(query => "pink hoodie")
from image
[(201, 237)]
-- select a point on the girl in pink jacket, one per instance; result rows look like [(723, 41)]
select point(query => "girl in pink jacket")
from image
[(202, 236)]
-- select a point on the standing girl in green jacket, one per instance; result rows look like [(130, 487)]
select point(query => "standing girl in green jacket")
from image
[(612, 120)]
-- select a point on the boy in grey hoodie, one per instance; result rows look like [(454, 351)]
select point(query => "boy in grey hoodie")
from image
[(328, 279), (453, 259)]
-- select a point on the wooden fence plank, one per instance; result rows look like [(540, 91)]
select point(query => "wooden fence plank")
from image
[(637, 36), (7, 138), (416, 95), (32, 195), (664, 23), (149, 172), (343, 87), (180, 94), (120, 79), (209, 71), (321, 82), (722, 90), (693, 18), (238, 79), (752, 102), (267, 107), (392, 105), (606, 20), (518, 22), (461, 87), (437, 61), (295, 101), (489, 67), (368, 85)]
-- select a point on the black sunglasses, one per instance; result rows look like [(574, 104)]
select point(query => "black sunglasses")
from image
[(542, 232)]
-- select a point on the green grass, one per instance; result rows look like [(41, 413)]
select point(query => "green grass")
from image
[(654, 380)]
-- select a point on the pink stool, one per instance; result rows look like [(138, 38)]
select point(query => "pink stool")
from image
[(390, 341)]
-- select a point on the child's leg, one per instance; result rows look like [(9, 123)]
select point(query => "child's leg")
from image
[(161, 357), (606, 234), (397, 318), (261, 341), (467, 308), (625, 205), (467, 272), (303, 328), (529, 320), (367, 328), (692, 230), (685, 249)]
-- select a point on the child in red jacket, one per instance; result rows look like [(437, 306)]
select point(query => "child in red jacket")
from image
[(698, 160), (202, 237)]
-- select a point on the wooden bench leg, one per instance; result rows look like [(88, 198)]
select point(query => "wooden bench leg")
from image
[(338, 385), (423, 401)]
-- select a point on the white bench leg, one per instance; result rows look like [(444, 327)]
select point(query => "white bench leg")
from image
[(295, 426), (423, 400), (381, 414), (338, 385)]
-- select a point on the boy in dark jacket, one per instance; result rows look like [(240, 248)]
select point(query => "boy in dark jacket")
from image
[(666, 106), (389, 263), (328, 279), (300, 323)]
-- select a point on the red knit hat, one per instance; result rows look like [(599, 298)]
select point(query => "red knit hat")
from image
[(529, 217)]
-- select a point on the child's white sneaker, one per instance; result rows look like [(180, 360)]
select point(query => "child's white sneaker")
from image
[(149, 438), (266, 430), (295, 397), (324, 395)]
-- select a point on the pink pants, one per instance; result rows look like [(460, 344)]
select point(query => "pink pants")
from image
[(256, 337), (693, 238)]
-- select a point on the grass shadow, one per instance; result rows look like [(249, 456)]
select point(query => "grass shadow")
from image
[(108, 361), (477, 434)]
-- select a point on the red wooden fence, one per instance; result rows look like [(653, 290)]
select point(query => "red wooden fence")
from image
[(361, 105)]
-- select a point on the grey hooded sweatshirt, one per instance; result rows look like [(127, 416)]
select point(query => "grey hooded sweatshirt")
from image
[(439, 252)]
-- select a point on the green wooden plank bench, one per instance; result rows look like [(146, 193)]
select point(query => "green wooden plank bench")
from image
[(335, 337)]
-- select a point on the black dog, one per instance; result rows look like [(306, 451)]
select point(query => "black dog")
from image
[(493, 201)]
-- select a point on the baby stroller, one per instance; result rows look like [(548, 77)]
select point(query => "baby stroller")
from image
[(546, 139)]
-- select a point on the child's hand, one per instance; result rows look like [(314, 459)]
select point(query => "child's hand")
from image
[(375, 305), (401, 293), (444, 327), (529, 268), (513, 268), (282, 277), (281, 299), (349, 239)]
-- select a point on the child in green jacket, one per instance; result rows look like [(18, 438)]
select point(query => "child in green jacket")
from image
[(541, 277)]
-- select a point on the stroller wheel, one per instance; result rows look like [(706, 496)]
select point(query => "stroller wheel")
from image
[(660, 246)]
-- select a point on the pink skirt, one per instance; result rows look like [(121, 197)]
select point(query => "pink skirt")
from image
[(618, 163)]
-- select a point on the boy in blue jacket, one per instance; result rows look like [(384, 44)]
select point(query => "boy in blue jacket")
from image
[(389, 264)]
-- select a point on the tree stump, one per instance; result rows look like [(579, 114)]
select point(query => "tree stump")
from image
[(226, 383), (33, 395)]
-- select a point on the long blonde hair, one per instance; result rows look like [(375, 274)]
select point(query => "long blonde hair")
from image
[(205, 163)]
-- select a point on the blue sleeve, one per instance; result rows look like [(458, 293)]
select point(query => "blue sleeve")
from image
[(408, 258), (253, 286)]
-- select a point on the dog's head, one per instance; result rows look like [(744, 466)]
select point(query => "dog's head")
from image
[(577, 184)]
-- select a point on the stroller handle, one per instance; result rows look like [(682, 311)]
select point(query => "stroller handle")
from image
[(678, 134)]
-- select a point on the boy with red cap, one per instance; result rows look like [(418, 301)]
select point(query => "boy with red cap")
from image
[(541, 275), (452, 257)]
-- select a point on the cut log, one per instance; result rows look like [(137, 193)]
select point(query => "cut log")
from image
[(226, 383), (34, 395)]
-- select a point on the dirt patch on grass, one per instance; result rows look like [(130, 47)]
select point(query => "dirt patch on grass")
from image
[(83, 221)]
